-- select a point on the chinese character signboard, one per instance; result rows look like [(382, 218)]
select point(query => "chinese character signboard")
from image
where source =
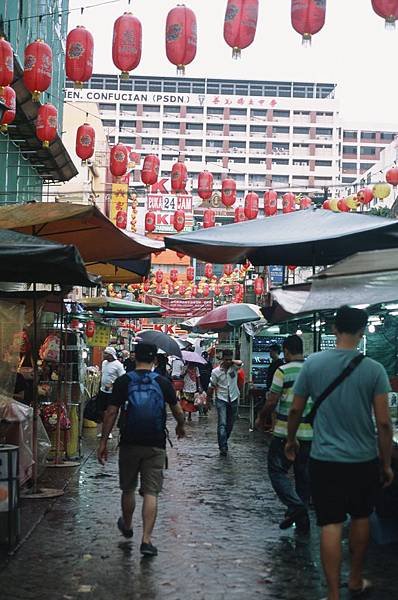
[(118, 208), (183, 308), (276, 275), (101, 337)]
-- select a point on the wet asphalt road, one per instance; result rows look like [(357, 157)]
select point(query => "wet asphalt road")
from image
[(217, 534)]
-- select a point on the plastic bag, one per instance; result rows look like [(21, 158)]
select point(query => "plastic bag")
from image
[(50, 348)]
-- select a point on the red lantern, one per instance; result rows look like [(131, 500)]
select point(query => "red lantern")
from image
[(305, 202), (208, 270), (237, 289), (179, 220), (270, 203), (365, 195), (205, 185), (85, 141), (292, 267), (46, 124), (388, 10), (239, 215), (206, 289), (170, 288), (342, 205), (126, 44), (38, 68), (90, 328), (179, 177), (308, 17), (173, 275), (246, 265), (209, 218), (121, 219), (392, 176), (75, 324), (240, 24), (259, 286), (228, 268), (146, 286), (119, 160), (6, 64), (228, 192), (251, 206), (227, 290), (326, 204), (194, 291), (8, 97), (79, 55), (150, 222), (159, 276), (181, 36), (190, 273), (150, 169), (159, 289), (180, 254), (288, 203), (217, 290), (182, 289)]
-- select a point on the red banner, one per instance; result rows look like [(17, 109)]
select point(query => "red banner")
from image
[(183, 308)]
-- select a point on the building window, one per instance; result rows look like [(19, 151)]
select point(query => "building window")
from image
[(124, 139), (350, 150), (238, 112), (214, 144), (194, 158), (196, 143), (258, 129), (194, 110), (368, 151), (195, 126), (363, 166), (350, 135), (368, 135), (280, 178), (215, 127), (301, 130), (256, 112), (238, 128), (151, 108), (237, 159), (234, 145), (387, 137), (324, 131), (280, 148), (278, 130), (257, 145), (302, 113), (215, 111), (281, 114), (323, 163), (348, 166), (155, 86), (256, 161), (108, 123), (171, 141), (173, 125), (106, 106), (280, 161), (151, 124), (128, 108), (171, 110)]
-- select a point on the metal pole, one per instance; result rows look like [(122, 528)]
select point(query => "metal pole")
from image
[(35, 396)]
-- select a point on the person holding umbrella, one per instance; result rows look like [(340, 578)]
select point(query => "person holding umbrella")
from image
[(224, 381), (191, 387)]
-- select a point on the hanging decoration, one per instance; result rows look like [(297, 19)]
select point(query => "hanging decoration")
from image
[(126, 44), (46, 124), (240, 24), (326, 204), (179, 177), (308, 17), (159, 289), (288, 203), (159, 276), (180, 254), (6, 64), (228, 192), (228, 269), (388, 10), (38, 66), (190, 274), (205, 185), (150, 169), (194, 291), (292, 267), (79, 55), (90, 328), (305, 202), (173, 275), (181, 37), (251, 206), (209, 218), (182, 289), (270, 203), (179, 220), (259, 286), (239, 215), (227, 290), (381, 190), (392, 176), (365, 195), (119, 160), (146, 286), (352, 202), (85, 142), (170, 288), (217, 290), (150, 222), (342, 205), (121, 219), (206, 289), (208, 270), (8, 97)]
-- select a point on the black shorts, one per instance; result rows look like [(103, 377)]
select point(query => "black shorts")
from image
[(339, 489)]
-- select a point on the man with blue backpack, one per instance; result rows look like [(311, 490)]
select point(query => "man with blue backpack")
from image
[(141, 396)]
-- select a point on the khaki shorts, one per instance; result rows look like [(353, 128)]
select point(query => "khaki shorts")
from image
[(146, 461)]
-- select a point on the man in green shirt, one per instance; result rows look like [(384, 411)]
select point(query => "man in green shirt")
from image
[(295, 494), (345, 461)]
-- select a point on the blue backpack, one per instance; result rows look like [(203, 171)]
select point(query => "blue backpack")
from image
[(145, 410)]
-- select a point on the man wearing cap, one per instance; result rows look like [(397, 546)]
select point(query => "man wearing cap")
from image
[(142, 396), (224, 380), (111, 369)]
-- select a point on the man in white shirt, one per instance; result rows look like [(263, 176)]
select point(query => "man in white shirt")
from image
[(111, 369), (224, 380)]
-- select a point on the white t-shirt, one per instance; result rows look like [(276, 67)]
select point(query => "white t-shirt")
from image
[(226, 383), (111, 370)]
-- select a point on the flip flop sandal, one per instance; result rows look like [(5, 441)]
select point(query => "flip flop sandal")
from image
[(366, 587)]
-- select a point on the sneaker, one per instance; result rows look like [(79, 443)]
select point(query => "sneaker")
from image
[(148, 549), (291, 518), (127, 533)]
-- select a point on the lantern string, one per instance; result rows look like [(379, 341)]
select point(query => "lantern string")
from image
[(60, 12)]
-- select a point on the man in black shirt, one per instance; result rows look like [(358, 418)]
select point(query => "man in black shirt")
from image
[(277, 362), (142, 395)]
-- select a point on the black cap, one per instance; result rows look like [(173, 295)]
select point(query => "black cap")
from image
[(227, 353), (145, 352)]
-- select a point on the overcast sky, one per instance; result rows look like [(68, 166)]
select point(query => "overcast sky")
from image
[(353, 49)]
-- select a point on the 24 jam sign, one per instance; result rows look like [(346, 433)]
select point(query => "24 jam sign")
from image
[(168, 202)]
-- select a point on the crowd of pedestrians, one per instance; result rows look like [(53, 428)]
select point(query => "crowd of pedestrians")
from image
[(331, 440)]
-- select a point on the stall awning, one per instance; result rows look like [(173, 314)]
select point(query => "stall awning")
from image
[(116, 304), (84, 226)]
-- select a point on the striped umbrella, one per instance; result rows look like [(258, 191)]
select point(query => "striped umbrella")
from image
[(228, 316)]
